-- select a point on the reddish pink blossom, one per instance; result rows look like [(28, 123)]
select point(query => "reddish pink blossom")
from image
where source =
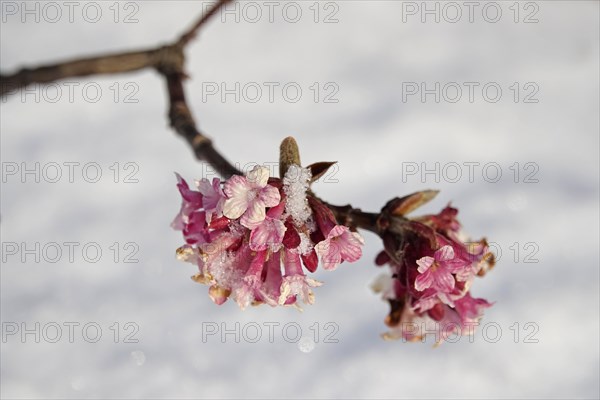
[(471, 309), (432, 273), (190, 201), (213, 198), (268, 235), (436, 272), (242, 236), (195, 228), (250, 286), (295, 284), (271, 288), (340, 245)]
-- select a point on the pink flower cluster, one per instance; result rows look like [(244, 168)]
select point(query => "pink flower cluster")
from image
[(240, 232), (432, 272)]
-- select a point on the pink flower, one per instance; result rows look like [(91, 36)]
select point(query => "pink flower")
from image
[(268, 235), (470, 309), (475, 260), (432, 268), (340, 245), (190, 201), (436, 272), (248, 197), (250, 286), (295, 284), (194, 229), (212, 197), (240, 236), (270, 290)]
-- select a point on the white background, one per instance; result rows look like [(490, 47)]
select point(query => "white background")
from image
[(369, 53)]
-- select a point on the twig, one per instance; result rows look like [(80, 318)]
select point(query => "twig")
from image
[(101, 65), (169, 61), (108, 63), (190, 34), (183, 123)]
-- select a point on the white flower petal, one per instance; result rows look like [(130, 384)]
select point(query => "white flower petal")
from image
[(259, 176), (254, 215)]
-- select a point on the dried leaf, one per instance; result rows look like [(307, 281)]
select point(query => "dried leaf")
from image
[(319, 169), (406, 204)]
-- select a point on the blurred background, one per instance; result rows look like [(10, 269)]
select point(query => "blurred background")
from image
[(493, 103)]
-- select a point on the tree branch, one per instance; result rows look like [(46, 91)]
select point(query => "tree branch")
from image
[(183, 123), (100, 65), (169, 61), (190, 34)]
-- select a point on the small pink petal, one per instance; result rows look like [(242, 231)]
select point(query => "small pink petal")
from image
[(213, 196), (267, 235), (258, 177), (330, 255), (236, 189), (444, 281), (444, 253), (270, 196), (424, 281), (254, 215), (350, 246), (425, 263)]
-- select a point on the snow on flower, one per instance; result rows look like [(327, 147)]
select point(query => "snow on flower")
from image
[(296, 183), (254, 238)]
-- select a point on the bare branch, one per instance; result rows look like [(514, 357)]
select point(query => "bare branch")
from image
[(189, 35), (169, 61), (183, 123), (354, 217), (100, 65), (104, 64)]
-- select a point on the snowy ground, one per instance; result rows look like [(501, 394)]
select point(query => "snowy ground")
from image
[(540, 338)]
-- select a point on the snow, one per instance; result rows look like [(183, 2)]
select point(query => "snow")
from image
[(295, 184), (548, 292)]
